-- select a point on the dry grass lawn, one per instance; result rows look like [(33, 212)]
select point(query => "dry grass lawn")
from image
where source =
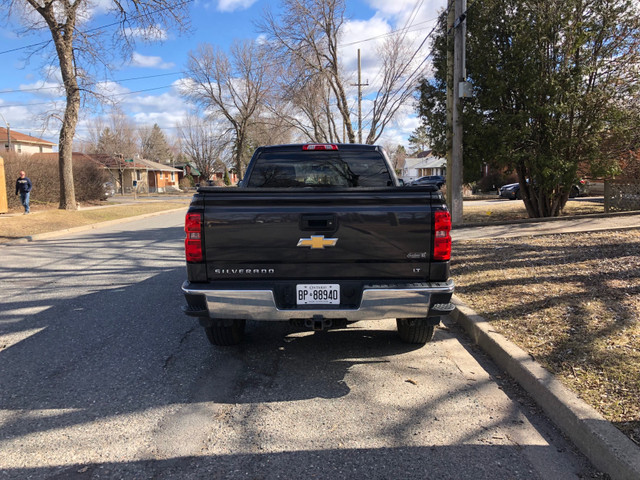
[(507, 210), (43, 219), (573, 302)]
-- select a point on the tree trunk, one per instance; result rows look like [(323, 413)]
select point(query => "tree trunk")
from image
[(67, 189)]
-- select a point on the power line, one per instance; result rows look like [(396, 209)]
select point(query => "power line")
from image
[(113, 95), (109, 25), (412, 75), (39, 89), (410, 28)]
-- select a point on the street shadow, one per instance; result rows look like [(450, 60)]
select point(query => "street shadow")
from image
[(459, 462), (125, 346)]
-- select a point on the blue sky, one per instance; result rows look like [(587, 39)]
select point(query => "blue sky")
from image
[(146, 85)]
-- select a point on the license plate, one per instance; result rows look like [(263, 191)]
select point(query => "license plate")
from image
[(316, 294)]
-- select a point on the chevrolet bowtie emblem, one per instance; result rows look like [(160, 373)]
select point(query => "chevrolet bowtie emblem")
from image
[(317, 241)]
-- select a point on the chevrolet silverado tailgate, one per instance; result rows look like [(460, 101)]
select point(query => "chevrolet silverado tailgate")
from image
[(377, 233)]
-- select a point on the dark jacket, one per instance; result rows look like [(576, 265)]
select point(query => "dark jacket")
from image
[(23, 185)]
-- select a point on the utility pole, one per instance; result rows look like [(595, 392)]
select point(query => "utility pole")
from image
[(8, 132), (360, 85), (451, 18), (456, 89), (459, 77)]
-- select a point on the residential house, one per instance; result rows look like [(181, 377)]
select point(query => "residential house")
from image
[(160, 177), (188, 168), (129, 175), (22, 143), (423, 164), (139, 175)]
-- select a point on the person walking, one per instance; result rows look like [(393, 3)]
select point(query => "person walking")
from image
[(23, 187)]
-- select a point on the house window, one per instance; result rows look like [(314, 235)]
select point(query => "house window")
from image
[(41, 149), (173, 176), (138, 175), (19, 148)]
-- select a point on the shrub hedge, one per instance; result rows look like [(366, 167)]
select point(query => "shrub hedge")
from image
[(88, 179)]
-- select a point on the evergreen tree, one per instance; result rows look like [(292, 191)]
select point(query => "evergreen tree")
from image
[(419, 140), (551, 88), (154, 145)]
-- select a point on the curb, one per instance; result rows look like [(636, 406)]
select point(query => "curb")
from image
[(84, 228), (604, 445)]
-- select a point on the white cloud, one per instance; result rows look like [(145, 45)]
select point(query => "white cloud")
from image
[(399, 12), (109, 88), (403, 125), (44, 89), (6, 33), (144, 61), (166, 101), (234, 5), (355, 32), (28, 119)]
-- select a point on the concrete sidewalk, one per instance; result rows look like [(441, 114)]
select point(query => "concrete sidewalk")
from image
[(607, 448)]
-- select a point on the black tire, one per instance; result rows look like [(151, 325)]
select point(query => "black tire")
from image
[(414, 330), (574, 192), (225, 336)]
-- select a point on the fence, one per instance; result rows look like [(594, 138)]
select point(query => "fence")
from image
[(621, 195)]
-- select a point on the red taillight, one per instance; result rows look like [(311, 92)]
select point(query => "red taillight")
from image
[(193, 240), (319, 146), (442, 240)]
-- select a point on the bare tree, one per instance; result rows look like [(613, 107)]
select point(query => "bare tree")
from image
[(202, 144), (307, 34), (397, 155), (307, 37), (233, 88), (401, 71), (78, 50), (117, 137), (305, 102)]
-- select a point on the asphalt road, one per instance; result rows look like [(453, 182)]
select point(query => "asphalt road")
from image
[(102, 376)]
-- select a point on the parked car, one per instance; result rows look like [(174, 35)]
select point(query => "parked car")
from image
[(437, 180), (512, 190), (109, 190)]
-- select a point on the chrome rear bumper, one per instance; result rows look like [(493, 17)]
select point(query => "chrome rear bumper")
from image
[(378, 302)]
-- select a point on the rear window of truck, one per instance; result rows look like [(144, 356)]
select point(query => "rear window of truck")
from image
[(273, 169)]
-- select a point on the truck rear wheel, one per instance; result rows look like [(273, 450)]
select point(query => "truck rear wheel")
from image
[(414, 330), (226, 335)]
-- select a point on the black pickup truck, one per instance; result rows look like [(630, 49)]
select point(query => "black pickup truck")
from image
[(320, 236)]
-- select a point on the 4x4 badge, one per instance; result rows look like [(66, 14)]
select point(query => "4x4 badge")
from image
[(317, 241)]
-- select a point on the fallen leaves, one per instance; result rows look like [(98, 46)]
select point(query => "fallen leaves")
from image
[(573, 302)]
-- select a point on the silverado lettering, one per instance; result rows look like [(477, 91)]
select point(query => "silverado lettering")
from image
[(346, 240), (244, 271)]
